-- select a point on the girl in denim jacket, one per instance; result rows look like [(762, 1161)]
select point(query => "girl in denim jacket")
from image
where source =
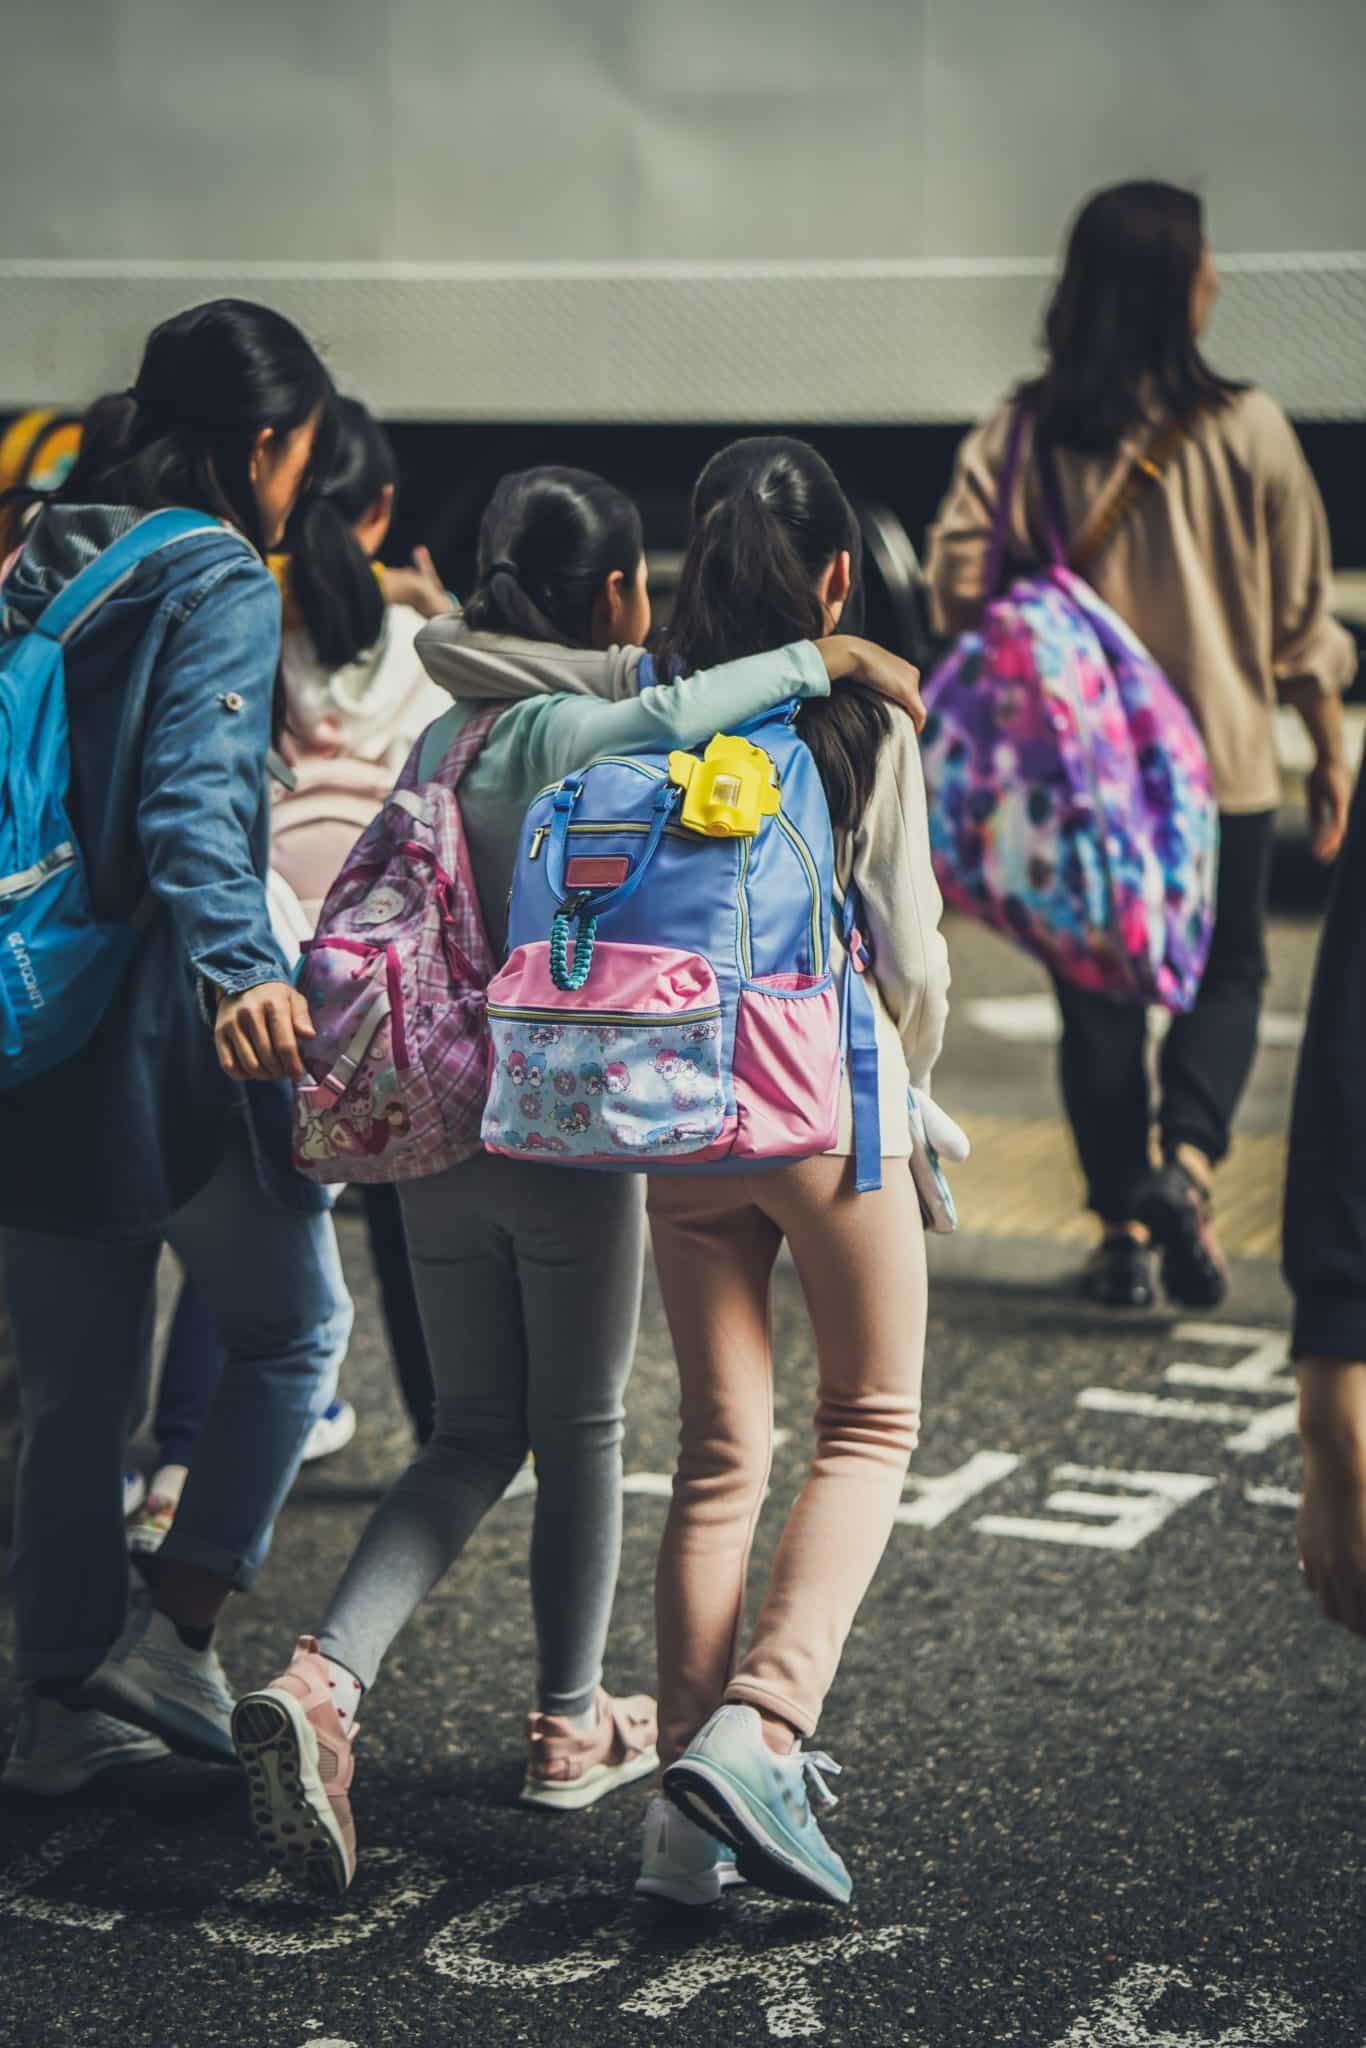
[(153, 1135)]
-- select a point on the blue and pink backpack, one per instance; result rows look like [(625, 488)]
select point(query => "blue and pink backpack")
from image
[(1070, 799), (667, 1001)]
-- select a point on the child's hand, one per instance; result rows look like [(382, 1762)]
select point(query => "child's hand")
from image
[(851, 660), (257, 1033), (419, 587)]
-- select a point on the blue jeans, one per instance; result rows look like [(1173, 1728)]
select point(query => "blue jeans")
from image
[(82, 1312)]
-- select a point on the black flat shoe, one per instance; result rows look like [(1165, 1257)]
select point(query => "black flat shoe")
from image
[(1119, 1274), (1180, 1218)]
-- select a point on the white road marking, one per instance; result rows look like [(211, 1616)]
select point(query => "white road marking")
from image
[(940, 1498), (1123, 1519), (1272, 1497), (654, 1485), (462, 1954), (18, 1881), (1260, 1427), (1118, 2019), (266, 1918), (783, 1974), (1255, 1429), (1034, 1020)]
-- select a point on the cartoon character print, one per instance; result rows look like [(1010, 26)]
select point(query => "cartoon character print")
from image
[(530, 1106), (702, 1034), (590, 1077), (608, 1034), (535, 1073), (668, 1062), (572, 1119), (539, 1141), (393, 1121), (516, 1067), (566, 1082), (616, 1077), (546, 1034)]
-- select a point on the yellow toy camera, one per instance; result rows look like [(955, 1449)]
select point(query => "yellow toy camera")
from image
[(729, 791)]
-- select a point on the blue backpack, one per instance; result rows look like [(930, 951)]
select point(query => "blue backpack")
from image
[(667, 1000), (60, 963)]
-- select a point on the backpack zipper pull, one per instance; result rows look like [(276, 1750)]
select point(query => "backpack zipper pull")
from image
[(537, 836)]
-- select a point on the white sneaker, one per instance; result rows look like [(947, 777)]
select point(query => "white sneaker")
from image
[(681, 1861), (59, 1748), (332, 1432), (156, 1681)]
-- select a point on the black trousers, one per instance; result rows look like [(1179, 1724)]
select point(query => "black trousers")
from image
[(1207, 1054), (1325, 1197)]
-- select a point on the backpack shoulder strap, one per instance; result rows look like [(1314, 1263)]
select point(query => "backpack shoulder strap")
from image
[(460, 755), (858, 1043), (465, 749), (111, 569), (1149, 468)]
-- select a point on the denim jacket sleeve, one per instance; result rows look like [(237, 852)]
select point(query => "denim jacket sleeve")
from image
[(203, 780)]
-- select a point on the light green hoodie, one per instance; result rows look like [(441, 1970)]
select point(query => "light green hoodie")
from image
[(567, 706)]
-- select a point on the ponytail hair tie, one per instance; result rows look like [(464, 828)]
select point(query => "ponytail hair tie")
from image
[(502, 567)]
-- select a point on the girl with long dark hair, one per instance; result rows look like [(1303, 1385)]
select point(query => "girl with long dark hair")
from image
[(353, 698), (1221, 567), (528, 1276), (147, 1136), (773, 555)]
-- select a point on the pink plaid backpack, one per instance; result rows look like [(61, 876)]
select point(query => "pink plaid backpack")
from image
[(395, 979)]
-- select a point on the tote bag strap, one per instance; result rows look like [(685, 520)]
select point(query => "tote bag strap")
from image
[(1105, 522)]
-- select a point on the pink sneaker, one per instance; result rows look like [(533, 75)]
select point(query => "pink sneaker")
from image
[(568, 1769), (299, 1765)]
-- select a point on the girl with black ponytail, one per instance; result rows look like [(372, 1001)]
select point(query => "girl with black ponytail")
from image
[(529, 1277), (774, 555), (352, 698)]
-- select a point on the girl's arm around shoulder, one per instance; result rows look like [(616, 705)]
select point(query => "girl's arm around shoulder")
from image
[(686, 713), (901, 901), (572, 730)]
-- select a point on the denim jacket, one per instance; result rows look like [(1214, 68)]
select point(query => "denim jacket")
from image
[(117, 1139)]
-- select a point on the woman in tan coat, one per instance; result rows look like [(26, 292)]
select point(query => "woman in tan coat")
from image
[(1221, 566)]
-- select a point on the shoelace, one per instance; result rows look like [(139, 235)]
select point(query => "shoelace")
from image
[(815, 1763)]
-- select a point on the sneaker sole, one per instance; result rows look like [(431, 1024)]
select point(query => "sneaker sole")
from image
[(716, 1801), (182, 1729), (591, 1787), (290, 1811), (695, 1892)]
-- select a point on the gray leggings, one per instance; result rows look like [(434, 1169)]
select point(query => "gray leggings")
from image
[(528, 1278)]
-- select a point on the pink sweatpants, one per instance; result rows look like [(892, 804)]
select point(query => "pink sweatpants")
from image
[(861, 1263)]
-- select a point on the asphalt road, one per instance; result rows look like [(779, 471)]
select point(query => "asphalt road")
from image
[(1104, 1776)]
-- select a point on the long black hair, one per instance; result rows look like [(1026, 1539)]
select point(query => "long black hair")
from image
[(768, 518), (1118, 329), (548, 542), (331, 578), (212, 379)]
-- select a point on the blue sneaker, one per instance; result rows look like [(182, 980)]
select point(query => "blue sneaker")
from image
[(682, 1862), (732, 1784)]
